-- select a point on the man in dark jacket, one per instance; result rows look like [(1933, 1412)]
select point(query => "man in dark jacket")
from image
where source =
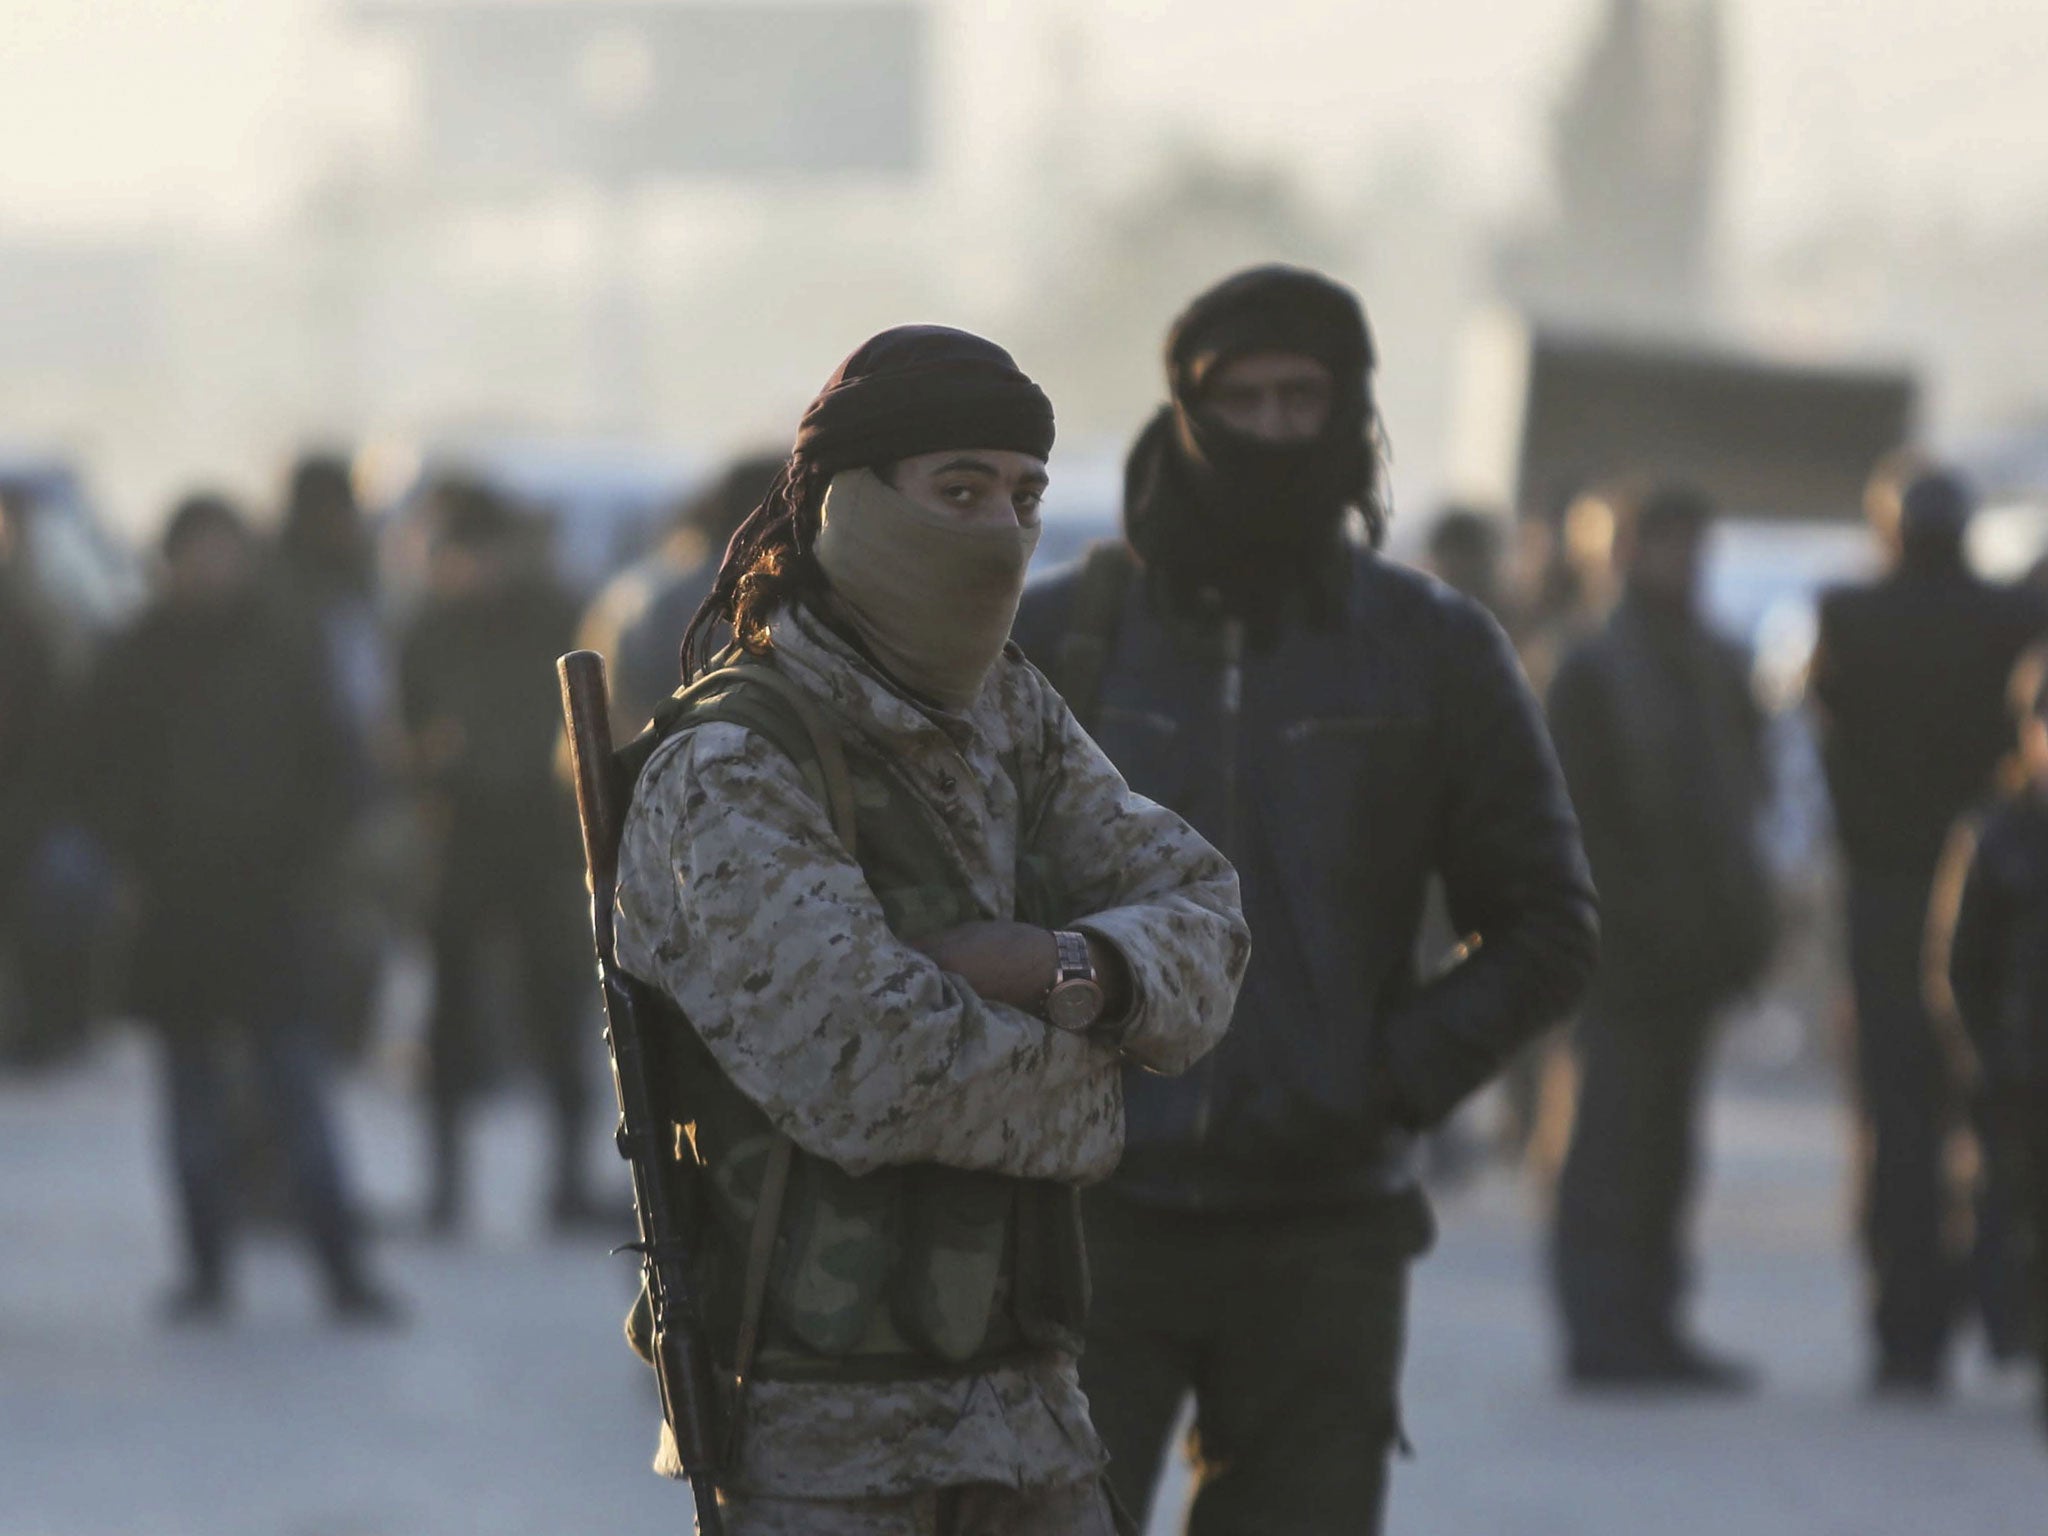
[(213, 764), (1342, 728), (1909, 681), (1662, 745), (477, 686)]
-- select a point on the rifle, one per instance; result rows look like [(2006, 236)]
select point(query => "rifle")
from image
[(683, 1367)]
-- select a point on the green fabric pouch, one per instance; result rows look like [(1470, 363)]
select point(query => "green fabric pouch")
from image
[(948, 1287), (838, 1245)]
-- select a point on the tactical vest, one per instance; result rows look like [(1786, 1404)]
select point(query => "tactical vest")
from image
[(809, 1272)]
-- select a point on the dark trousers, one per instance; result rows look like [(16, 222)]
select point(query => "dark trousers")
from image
[(1619, 1243), (292, 1089), (1288, 1328), (1999, 1278), (532, 903), (2031, 1186), (2012, 1124), (1906, 1103)]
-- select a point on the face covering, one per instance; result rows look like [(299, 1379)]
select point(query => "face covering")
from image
[(930, 594), (1262, 495)]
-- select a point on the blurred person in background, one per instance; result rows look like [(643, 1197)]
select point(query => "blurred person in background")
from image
[(482, 714), (1342, 728), (29, 733), (55, 880), (1663, 746), (1467, 551), (1994, 1161), (327, 562), (637, 621), (1989, 950), (1908, 684), (213, 764)]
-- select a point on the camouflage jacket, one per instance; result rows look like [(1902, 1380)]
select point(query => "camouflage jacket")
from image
[(737, 899)]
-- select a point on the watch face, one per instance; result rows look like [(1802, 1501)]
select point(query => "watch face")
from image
[(1074, 1006)]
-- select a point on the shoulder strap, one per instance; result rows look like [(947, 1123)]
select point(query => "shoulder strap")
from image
[(779, 710), (1092, 623), (763, 699)]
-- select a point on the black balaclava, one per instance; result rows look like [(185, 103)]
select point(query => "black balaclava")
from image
[(1208, 508)]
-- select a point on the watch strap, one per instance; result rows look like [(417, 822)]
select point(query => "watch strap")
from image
[(1074, 961)]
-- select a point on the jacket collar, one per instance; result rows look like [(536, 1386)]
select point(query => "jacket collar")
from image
[(865, 698)]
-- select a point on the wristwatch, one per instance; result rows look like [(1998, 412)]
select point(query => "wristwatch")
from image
[(1074, 1000)]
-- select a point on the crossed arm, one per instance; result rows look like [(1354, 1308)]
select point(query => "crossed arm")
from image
[(737, 900)]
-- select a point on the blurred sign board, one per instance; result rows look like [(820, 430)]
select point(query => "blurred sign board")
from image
[(1543, 415), (517, 92)]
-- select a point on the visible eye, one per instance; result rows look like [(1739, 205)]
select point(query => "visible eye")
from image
[(1027, 504), (961, 493)]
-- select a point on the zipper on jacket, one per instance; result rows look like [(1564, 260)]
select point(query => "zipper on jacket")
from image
[(1229, 716), (1229, 711)]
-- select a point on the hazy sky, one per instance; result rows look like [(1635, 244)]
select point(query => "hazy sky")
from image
[(211, 113)]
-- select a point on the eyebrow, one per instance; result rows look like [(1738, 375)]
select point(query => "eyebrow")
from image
[(1036, 478)]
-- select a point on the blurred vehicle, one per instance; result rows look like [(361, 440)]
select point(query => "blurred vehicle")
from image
[(598, 506)]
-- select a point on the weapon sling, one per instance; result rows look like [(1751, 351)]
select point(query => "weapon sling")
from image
[(681, 1352)]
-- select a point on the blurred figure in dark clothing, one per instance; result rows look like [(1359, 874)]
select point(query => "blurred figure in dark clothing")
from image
[(29, 732), (1568, 551), (1468, 552), (1992, 922), (1909, 685), (477, 683), (1662, 745), (327, 562), (637, 622), (213, 763)]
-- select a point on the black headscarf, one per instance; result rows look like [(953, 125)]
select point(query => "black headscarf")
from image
[(919, 389), (912, 389), (1210, 508)]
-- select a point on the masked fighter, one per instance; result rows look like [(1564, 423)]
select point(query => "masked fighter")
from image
[(1343, 729), (930, 1007)]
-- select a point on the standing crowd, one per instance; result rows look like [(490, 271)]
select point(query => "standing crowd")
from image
[(1065, 983)]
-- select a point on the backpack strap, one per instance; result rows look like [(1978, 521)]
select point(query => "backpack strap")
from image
[(786, 715), (1092, 623), (792, 722)]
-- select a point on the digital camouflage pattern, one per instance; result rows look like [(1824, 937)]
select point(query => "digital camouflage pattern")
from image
[(737, 899), (1077, 1509)]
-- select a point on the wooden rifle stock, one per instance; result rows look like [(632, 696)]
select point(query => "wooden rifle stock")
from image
[(683, 1366)]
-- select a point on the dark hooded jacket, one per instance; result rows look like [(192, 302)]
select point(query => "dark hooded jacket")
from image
[(1377, 732)]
